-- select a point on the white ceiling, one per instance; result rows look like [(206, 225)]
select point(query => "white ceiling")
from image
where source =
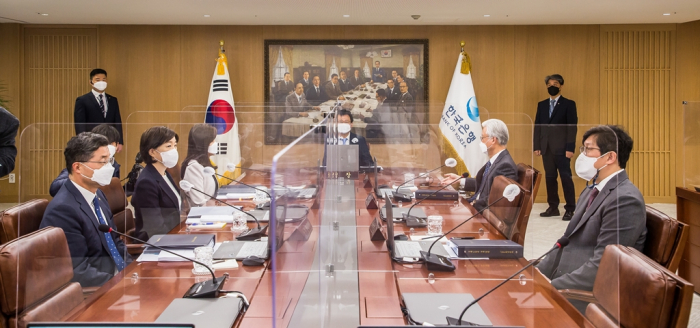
[(362, 12)]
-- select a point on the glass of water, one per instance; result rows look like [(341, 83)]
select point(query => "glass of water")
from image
[(408, 177), (205, 255), (434, 225), (239, 224)]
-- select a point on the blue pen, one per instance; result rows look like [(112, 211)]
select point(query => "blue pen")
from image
[(198, 224)]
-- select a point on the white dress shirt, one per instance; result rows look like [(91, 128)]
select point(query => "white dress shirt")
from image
[(177, 193), (600, 185)]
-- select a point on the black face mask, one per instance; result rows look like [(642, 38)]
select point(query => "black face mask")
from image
[(553, 90)]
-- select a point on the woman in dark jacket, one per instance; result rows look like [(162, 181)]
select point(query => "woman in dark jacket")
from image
[(156, 198)]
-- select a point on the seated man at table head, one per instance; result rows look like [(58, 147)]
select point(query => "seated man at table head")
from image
[(296, 104), (305, 80), (345, 84), (392, 91), (609, 211), (333, 88), (80, 207), (156, 197), (494, 138), (357, 78), (113, 138), (201, 145), (346, 137), (316, 94)]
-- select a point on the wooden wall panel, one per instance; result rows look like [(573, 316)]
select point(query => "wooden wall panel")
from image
[(687, 89), (10, 53), (637, 91), (57, 63)]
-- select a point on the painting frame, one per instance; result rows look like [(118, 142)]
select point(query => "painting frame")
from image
[(416, 48)]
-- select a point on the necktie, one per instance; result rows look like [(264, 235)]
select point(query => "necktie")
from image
[(299, 98), (552, 102), (484, 181), (102, 106), (345, 140), (591, 198), (118, 260), (317, 91)]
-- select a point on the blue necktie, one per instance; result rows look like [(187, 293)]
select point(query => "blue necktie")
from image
[(551, 107), (118, 260), (483, 182)]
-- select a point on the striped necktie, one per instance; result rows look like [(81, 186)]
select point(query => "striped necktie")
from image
[(552, 102), (102, 106)]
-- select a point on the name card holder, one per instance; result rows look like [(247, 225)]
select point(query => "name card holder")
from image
[(376, 233), (367, 182), (371, 202)]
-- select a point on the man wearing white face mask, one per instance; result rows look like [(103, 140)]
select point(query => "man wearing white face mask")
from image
[(610, 211), (156, 197), (112, 136), (97, 107), (345, 137), (80, 207), (494, 138)]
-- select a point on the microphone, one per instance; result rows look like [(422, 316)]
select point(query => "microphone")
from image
[(442, 263), (210, 171), (561, 243), (450, 162), (407, 215), (252, 234), (206, 289)]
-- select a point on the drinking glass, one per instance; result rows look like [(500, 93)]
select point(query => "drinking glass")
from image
[(434, 225), (205, 255), (407, 177), (239, 224)]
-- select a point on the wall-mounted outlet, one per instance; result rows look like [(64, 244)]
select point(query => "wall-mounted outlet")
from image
[(11, 178)]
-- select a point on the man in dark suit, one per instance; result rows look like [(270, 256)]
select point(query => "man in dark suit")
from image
[(316, 94), (357, 79), (296, 104), (284, 87), (494, 138), (305, 80), (345, 137), (97, 107), (378, 73), (344, 83), (9, 126), (333, 89), (554, 139), (392, 92), (394, 77), (79, 208), (610, 211)]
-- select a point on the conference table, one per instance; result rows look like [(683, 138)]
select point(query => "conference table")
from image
[(143, 290)]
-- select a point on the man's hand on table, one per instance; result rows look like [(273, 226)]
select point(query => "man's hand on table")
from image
[(450, 178), (303, 114), (316, 108)]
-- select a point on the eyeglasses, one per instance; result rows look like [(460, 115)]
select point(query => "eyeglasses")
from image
[(482, 138), (584, 150)]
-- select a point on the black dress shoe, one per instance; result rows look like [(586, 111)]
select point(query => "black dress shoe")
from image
[(552, 211), (567, 216)]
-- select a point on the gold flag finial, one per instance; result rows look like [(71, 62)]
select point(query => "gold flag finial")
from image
[(221, 43), (466, 61)]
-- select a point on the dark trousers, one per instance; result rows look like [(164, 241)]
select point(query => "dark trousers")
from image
[(552, 164)]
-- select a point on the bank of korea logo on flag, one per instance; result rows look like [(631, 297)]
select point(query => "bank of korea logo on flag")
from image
[(473, 109)]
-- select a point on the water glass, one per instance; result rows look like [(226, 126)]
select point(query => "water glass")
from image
[(434, 225), (205, 255), (408, 177), (239, 224)]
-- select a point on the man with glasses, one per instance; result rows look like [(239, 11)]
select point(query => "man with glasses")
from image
[(609, 211), (345, 137), (80, 207), (494, 138), (554, 140)]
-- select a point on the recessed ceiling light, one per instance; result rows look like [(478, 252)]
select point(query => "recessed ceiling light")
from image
[(667, 14), (207, 16), (43, 14), (487, 15), (346, 16)]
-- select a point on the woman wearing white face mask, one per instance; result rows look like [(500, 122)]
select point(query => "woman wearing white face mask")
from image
[(200, 145), (112, 137), (156, 197)]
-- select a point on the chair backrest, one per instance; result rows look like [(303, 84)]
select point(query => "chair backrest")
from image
[(21, 219), (25, 264), (529, 178), (503, 214), (114, 192), (631, 290), (666, 239)]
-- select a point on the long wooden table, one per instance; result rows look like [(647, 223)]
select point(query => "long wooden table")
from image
[(143, 290)]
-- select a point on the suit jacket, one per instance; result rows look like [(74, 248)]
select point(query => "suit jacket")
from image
[(345, 85), (356, 81), (306, 83), (405, 105), (375, 75), (156, 207), (315, 98), (616, 216), (293, 107), (333, 92), (9, 126), (87, 114), (92, 263), (503, 165), (365, 156), (63, 177), (283, 89), (392, 95), (558, 133)]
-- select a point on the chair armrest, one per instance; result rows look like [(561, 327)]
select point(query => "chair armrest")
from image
[(581, 295), (134, 249), (87, 291)]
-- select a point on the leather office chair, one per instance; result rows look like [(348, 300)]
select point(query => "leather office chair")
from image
[(529, 179), (21, 219), (632, 290), (35, 276), (503, 214), (666, 239), (122, 216)]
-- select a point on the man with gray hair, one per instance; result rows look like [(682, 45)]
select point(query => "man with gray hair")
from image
[(494, 138)]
